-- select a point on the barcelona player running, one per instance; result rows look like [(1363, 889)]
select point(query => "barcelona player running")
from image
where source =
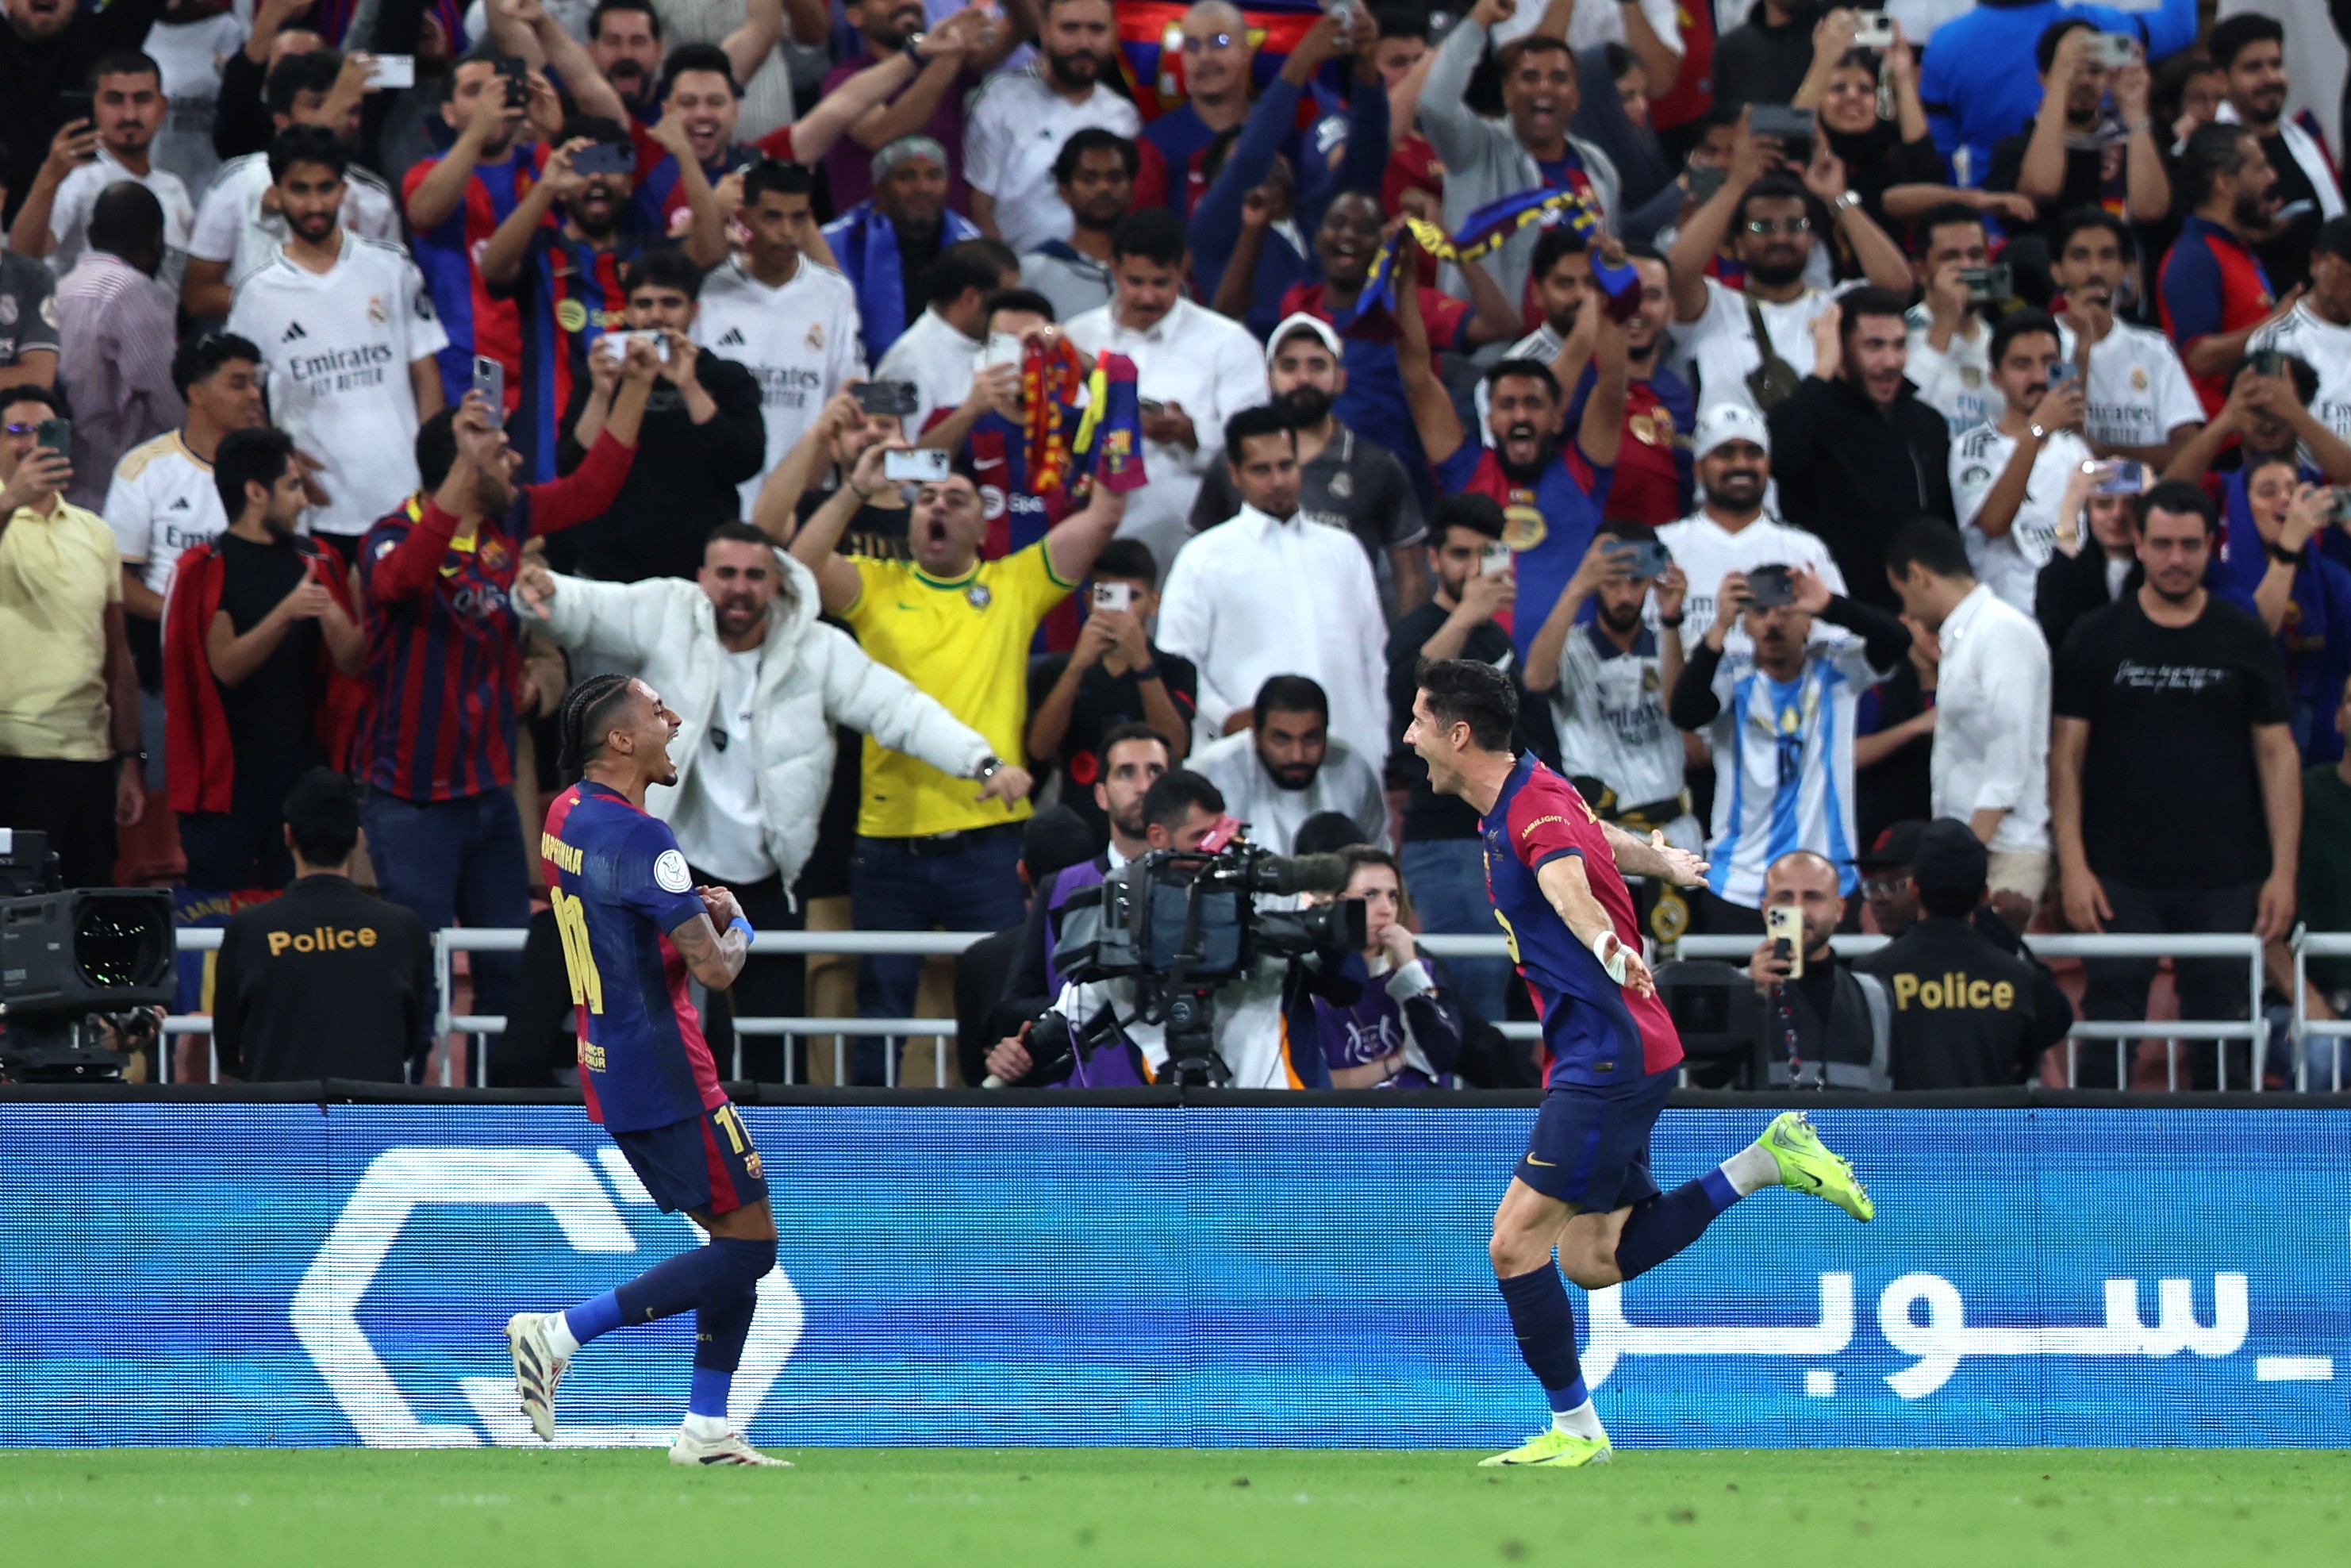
[(633, 927), (1609, 1050)]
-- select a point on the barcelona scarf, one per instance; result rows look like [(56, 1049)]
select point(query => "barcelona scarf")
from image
[(1484, 232), (1109, 430)]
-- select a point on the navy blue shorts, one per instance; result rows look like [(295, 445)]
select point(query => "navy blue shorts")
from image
[(704, 1164), (1591, 1145)]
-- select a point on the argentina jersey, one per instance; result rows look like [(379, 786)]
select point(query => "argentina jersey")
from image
[(620, 886), (1783, 768)]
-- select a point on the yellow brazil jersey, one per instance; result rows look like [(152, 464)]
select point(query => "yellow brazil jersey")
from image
[(965, 643)]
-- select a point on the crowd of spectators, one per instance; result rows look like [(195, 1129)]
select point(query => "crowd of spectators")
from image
[(1007, 429)]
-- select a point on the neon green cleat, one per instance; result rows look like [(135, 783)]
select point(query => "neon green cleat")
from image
[(1807, 1164), (1554, 1449)]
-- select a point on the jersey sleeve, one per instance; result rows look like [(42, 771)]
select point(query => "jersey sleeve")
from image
[(1027, 575), (649, 875), (983, 144), (1547, 819), (426, 335), (217, 223), (2174, 399), (2191, 286), (1454, 473), (871, 586), (132, 520)]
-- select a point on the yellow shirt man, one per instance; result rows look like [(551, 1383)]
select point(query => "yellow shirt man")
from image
[(57, 575), (965, 643)]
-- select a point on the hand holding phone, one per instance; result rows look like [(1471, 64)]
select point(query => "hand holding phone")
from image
[(1785, 925), (1115, 596), (490, 381), (919, 465)]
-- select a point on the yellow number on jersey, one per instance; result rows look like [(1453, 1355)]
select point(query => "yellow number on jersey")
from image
[(579, 957), (1510, 935), (730, 1121)]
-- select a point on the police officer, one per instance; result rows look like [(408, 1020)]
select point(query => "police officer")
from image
[(324, 980), (1969, 1013), (1830, 1027)]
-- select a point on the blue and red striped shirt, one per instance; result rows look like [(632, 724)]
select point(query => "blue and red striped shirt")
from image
[(444, 639), (449, 254), (568, 296), (2210, 282), (1594, 1031), (658, 208)]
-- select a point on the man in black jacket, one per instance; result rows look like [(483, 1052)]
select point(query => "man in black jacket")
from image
[(990, 1001), (1854, 449), (323, 981), (1969, 1013)]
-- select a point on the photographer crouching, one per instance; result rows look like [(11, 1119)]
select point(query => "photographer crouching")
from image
[(1185, 970)]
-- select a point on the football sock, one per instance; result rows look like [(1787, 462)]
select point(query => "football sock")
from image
[(584, 1322), (719, 1330), (1582, 1421), (721, 1270), (1544, 1321), (1751, 1169), (1662, 1227)]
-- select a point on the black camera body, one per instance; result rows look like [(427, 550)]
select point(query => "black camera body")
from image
[(68, 959)]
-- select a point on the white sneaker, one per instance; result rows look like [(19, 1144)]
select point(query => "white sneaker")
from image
[(730, 1449), (538, 1369)]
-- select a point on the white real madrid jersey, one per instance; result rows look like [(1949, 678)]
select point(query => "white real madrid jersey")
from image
[(799, 341)]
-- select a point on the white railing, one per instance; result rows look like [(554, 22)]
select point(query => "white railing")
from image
[(941, 1031)]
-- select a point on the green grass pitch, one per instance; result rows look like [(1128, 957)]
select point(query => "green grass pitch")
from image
[(1041, 1507)]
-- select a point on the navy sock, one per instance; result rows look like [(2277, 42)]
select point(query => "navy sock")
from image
[(1657, 1229), (1544, 1320), (721, 1270), (719, 1330), (600, 1316)]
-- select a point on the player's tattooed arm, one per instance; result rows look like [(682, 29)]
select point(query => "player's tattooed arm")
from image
[(1652, 857), (715, 956)]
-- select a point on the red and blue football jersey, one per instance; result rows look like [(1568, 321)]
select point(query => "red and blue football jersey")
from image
[(567, 294), (2209, 283), (620, 886), (449, 254), (1549, 523), (1594, 1031)]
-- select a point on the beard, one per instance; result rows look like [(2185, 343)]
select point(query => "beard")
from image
[(1081, 69), (1295, 776), (1131, 825), (2250, 210), (1527, 473), (1306, 406), (1776, 274)]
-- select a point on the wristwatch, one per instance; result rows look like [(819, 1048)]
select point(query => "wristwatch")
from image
[(914, 42), (2040, 433), (140, 757), (989, 768), (2282, 555), (1844, 204), (1670, 622)]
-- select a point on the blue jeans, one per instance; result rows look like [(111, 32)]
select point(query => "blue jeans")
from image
[(451, 862), (1447, 880), (891, 888)]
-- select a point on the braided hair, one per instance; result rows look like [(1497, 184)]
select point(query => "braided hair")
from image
[(586, 717)]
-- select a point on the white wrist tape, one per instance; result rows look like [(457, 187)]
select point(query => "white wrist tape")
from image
[(1614, 955)]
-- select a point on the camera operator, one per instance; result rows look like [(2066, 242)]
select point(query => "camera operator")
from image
[(1181, 811), (1830, 1027)]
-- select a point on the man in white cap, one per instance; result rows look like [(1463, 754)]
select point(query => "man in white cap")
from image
[(1733, 529), (1344, 481)]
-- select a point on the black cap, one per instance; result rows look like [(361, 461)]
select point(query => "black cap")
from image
[(1897, 846), (1055, 840), (323, 807), (1950, 859), (2334, 236)]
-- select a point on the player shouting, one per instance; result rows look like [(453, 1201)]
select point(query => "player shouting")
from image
[(1609, 1046), (633, 927)]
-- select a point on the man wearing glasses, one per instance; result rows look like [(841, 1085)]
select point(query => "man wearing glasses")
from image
[(1217, 60)]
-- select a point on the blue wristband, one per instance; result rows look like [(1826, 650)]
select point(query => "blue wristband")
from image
[(739, 924)]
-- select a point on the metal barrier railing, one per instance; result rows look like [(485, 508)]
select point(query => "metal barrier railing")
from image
[(449, 943), (2306, 945)]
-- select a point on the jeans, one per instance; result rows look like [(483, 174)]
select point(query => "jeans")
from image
[(2210, 990), (451, 862), (1447, 880), (891, 888)]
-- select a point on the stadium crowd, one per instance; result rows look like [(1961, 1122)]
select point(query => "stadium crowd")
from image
[(1832, 430)]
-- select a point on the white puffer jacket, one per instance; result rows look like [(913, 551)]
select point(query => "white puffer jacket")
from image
[(814, 676)]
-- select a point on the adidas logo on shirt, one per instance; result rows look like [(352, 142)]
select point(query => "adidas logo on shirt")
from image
[(732, 339), (294, 333), (179, 505)]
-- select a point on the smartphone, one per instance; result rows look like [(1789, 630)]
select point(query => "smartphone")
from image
[(1342, 12), (619, 341), (922, 465), (73, 106), (1150, 406), (1495, 558), (1118, 596), (2338, 504), (1643, 558), (2061, 373), (1790, 128), (1873, 30), (2119, 478), (887, 397), (518, 88), (1772, 586), (604, 158), (1704, 180), (2269, 361), (1988, 285), (2113, 51), (56, 434), (490, 381), (1784, 923), (1003, 348), (393, 70)]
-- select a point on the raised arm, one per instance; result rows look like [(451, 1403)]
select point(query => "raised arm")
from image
[(1073, 543), (817, 544), (510, 242), (813, 134), (1432, 406), (1570, 893), (1700, 239), (749, 46)]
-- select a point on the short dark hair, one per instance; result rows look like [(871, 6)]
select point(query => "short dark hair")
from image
[(606, 7), (1154, 234), (1094, 138), (736, 531), (2303, 374), (663, 268), (2178, 495), (2211, 151), (1778, 185), (125, 63), (1053, 840), (599, 128), (1868, 300), (481, 53), (1555, 243), (307, 144), (2076, 219), (1402, 21), (202, 355), (34, 391), (1481, 515), (2018, 324), (256, 456), (322, 816), (1290, 693), (126, 220), (1129, 559), (1942, 215), (1929, 542), (437, 449), (1620, 60), (314, 71), (956, 273), (697, 57), (1507, 58), (773, 176), (1532, 369), (2044, 48), (1950, 902), (1472, 692), (586, 717), (1172, 795), (1325, 833), (1023, 299), (1134, 729), (1252, 422), (2231, 35), (1630, 531)]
